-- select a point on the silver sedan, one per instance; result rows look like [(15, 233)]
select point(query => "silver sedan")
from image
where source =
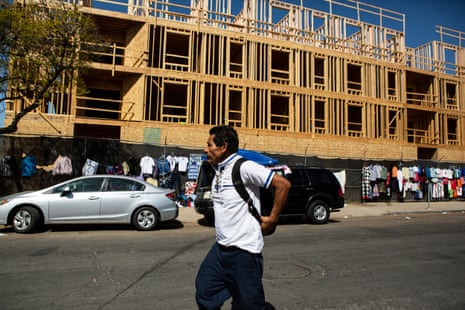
[(99, 199)]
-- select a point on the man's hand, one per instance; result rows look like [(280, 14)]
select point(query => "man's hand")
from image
[(281, 188), (268, 225)]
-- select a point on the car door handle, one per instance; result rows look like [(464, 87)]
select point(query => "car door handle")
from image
[(134, 196), (94, 197)]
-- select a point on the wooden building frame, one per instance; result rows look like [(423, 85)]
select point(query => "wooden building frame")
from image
[(273, 69)]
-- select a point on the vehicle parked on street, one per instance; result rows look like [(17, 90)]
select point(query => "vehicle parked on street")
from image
[(98, 199), (314, 193)]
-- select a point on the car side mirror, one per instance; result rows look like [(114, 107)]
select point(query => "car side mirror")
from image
[(66, 190)]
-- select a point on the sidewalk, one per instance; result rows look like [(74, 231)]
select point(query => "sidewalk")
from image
[(189, 215), (391, 208)]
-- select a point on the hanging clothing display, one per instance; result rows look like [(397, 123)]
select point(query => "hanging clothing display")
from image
[(366, 189), (374, 184), (163, 166), (341, 177), (90, 167), (147, 163), (412, 183), (182, 162), (62, 165), (193, 170), (172, 161)]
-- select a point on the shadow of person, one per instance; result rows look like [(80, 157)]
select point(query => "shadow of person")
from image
[(268, 306), (205, 222)]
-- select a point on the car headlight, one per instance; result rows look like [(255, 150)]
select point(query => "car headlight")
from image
[(3, 201)]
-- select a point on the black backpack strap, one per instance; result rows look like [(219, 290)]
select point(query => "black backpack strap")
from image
[(240, 188), (237, 179)]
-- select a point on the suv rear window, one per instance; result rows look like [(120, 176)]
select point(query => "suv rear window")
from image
[(319, 176), (295, 177), (304, 177), (307, 176)]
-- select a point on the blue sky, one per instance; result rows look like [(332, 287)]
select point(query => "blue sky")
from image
[(421, 16)]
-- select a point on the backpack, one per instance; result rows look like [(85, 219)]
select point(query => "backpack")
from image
[(266, 198)]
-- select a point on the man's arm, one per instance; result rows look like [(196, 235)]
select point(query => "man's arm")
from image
[(281, 188)]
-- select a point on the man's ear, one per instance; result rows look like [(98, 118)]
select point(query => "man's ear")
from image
[(224, 147)]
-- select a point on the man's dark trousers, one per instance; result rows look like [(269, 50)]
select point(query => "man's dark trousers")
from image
[(230, 271)]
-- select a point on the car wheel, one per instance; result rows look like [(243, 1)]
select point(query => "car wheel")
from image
[(145, 218), (26, 220), (210, 217), (318, 212)]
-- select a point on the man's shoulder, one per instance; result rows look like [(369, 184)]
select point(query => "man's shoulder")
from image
[(248, 166), (252, 172)]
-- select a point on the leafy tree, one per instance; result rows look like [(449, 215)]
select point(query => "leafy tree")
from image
[(40, 51)]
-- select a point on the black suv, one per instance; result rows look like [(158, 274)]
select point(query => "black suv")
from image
[(315, 193)]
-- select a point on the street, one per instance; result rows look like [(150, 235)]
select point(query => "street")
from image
[(384, 262)]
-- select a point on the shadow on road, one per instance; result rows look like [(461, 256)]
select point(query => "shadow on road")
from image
[(288, 220), (174, 224)]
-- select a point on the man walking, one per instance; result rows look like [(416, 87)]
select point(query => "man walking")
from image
[(234, 265)]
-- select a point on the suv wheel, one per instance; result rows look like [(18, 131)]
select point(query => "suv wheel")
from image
[(210, 217), (318, 212)]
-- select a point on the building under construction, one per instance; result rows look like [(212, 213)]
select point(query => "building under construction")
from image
[(335, 81)]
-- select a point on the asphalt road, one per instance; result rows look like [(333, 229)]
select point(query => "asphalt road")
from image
[(383, 262)]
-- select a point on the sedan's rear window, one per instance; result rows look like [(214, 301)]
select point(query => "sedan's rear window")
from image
[(124, 185)]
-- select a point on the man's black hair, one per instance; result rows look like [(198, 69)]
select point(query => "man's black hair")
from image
[(226, 134)]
